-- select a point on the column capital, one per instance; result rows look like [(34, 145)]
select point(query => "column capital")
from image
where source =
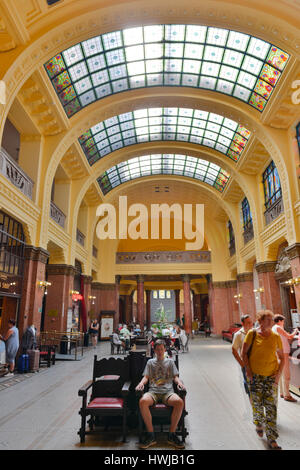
[(293, 251), (185, 277), (140, 277), (243, 277), (60, 269), (224, 284), (34, 253), (87, 279), (117, 279), (103, 286), (266, 267)]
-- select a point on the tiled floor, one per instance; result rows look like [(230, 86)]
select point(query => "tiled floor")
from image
[(40, 411)]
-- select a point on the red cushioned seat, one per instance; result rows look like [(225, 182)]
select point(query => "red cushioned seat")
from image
[(106, 402), (160, 405)]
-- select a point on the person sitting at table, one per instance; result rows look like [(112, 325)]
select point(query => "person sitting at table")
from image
[(116, 339), (125, 334), (137, 330)]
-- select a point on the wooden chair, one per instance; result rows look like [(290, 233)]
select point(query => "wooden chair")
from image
[(161, 414), (109, 391), (47, 354), (116, 347)]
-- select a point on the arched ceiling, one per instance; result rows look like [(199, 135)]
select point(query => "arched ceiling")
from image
[(165, 124), (226, 61), (166, 164), (76, 24)]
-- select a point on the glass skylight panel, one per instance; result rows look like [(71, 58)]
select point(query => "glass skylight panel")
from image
[(148, 165), (159, 124), (217, 59)]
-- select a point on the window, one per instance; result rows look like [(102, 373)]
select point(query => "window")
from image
[(222, 60), (159, 164), (162, 294), (168, 124), (272, 186), (247, 217), (12, 245), (231, 238)]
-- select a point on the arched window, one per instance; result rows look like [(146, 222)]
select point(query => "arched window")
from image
[(272, 186), (247, 221), (231, 238), (247, 217)]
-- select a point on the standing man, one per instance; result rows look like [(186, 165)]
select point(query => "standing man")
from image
[(238, 340)]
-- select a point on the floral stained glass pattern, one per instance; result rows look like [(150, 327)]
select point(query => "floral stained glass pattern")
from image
[(169, 55), (170, 124), (161, 164)]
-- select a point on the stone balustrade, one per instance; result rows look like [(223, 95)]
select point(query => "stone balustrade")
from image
[(57, 215), (11, 170)]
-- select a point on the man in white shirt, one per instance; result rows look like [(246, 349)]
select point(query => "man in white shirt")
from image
[(237, 343)]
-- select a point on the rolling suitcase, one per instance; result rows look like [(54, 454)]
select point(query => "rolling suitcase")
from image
[(34, 359), (23, 363)]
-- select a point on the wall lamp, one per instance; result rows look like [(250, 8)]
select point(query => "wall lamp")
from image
[(72, 292), (238, 297), (291, 283), (258, 291), (44, 284), (92, 298)]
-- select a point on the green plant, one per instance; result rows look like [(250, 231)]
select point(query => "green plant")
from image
[(162, 320)]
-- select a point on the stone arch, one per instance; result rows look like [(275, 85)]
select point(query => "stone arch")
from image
[(273, 248), (56, 253)]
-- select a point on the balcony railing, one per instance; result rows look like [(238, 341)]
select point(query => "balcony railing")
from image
[(57, 215), (11, 170), (248, 233), (274, 211), (80, 237), (163, 257)]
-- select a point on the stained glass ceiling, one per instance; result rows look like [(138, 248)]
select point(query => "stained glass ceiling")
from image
[(168, 124), (164, 164), (229, 62)]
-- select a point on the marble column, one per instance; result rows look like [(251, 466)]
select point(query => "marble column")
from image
[(187, 303), (140, 301), (32, 293), (59, 297), (177, 304), (270, 297), (247, 300), (117, 293), (293, 253), (148, 308)]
